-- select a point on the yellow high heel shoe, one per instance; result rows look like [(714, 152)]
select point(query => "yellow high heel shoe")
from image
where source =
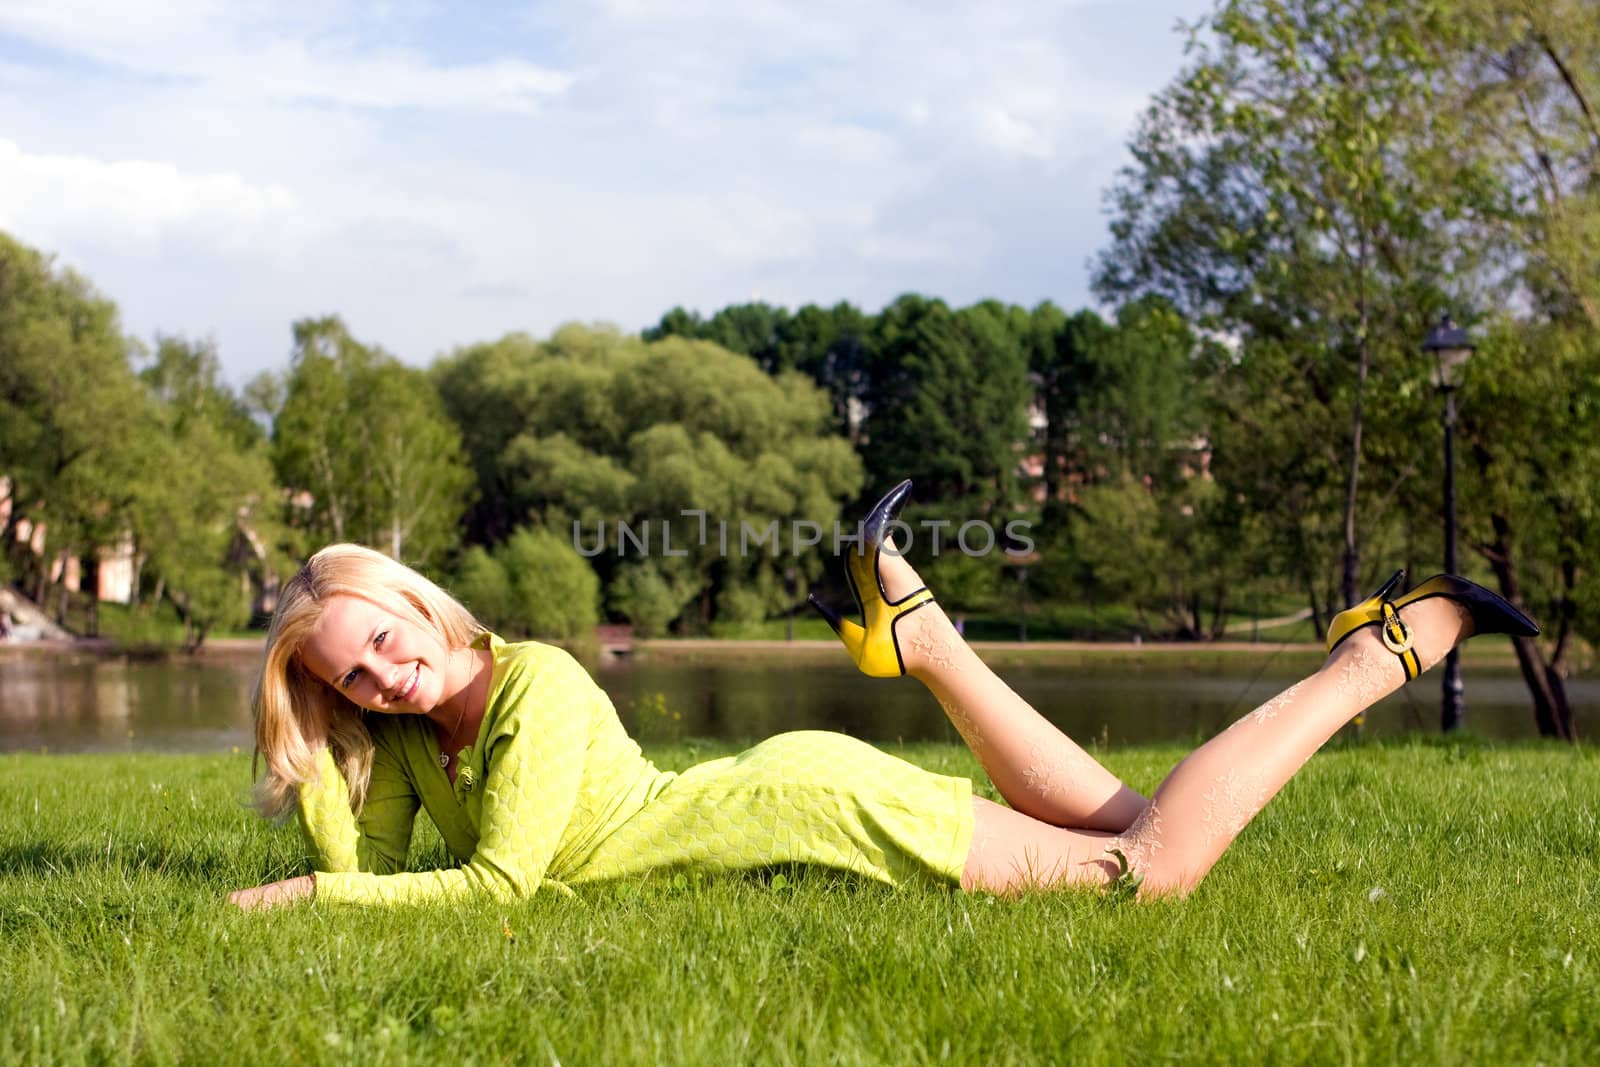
[(874, 647), (1491, 614)]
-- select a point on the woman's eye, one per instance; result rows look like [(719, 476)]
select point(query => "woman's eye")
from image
[(377, 642), (347, 680)]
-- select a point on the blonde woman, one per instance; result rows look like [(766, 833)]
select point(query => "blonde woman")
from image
[(380, 695)]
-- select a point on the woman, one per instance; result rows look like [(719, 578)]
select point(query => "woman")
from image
[(379, 694)]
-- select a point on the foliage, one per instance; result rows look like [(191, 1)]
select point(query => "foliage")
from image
[(75, 435), (205, 517), (366, 438), (956, 377), (1287, 190), (966, 583), (683, 444), (1316, 187), (833, 346), (533, 585)]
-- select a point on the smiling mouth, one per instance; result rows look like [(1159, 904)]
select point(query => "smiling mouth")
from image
[(410, 686)]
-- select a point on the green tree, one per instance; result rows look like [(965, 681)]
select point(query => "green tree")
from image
[(185, 377), (203, 522), (1316, 187), (1525, 89), (594, 429), (368, 442), (75, 431), (947, 404), (1285, 189), (533, 585)]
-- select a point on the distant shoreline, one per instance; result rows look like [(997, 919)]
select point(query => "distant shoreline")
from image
[(1496, 652)]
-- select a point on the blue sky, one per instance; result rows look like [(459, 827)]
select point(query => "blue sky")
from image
[(440, 174)]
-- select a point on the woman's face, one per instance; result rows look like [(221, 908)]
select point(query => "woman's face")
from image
[(381, 661)]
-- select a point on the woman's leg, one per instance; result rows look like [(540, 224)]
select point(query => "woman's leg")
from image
[(1211, 796), (1037, 768)]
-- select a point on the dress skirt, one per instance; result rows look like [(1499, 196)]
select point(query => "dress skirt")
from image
[(810, 797)]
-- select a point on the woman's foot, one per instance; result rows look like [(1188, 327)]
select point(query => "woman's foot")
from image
[(888, 641), (1368, 668), (1416, 629)]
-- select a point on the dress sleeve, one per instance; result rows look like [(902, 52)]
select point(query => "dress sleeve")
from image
[(534, 764), (377, 841)]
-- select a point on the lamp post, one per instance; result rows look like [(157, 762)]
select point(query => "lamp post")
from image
[(1450, 348)]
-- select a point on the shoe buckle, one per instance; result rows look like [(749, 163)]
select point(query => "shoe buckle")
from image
[(1395, 633)]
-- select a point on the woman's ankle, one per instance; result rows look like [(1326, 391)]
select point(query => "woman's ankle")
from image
[(929, 643)]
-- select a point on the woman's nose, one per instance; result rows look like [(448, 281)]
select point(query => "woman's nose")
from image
[(379, 670)]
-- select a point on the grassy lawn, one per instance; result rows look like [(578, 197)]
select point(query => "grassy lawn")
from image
[(1424, 901)]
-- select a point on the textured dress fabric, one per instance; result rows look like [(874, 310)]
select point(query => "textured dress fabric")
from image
[(553, 792)]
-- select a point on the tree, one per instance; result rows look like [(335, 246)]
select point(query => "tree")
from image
[(74, 428), (1284, 190), (1530, 465), (947, 403), (1317, 187), (203, 521), (1526, 91), (367, 440), (185, 377), (534, 585), (594, 431)]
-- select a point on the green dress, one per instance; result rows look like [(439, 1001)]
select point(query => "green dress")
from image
[(554, 792)]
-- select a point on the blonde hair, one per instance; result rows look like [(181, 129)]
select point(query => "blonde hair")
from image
[(297, 715)]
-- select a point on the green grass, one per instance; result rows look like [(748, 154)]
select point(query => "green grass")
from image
[(1421, 902)]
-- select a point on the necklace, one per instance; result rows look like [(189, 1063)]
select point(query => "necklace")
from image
[(444, 747)]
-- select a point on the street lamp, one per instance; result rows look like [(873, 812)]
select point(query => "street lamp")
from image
[(1450, 348)]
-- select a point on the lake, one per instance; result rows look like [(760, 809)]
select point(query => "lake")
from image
[(85, 703)]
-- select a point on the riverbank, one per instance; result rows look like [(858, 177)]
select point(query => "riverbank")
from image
[(1421, 902), (1491, 651)]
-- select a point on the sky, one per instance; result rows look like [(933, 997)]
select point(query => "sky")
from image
[(441, 174)]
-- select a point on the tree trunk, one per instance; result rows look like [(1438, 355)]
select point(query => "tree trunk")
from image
[(1318, 623), (1352, 552), (1552, 712), (193, 639), (1219, 624), (64, 597)]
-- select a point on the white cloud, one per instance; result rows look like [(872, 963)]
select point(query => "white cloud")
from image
[(62, 199), (439, 174), (1008, 133), (271, 51)]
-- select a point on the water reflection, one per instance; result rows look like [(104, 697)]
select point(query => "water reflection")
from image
[(87, 704)]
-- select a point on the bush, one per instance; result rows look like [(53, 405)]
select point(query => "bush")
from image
[(534, 585), (483, 586), (646, 599)]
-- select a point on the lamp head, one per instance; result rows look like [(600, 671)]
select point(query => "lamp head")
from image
[(1451, 348)]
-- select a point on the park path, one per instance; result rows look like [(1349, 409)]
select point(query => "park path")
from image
[(1245, 625)]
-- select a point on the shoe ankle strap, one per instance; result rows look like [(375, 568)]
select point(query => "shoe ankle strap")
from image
[(1397, 638)]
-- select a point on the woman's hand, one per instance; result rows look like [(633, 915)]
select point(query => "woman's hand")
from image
[(272, 895)]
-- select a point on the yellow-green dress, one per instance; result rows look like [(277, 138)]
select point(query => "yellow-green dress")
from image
[(554, 792)]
